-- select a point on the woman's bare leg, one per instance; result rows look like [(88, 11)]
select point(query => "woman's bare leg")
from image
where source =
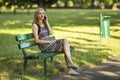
[(61, 50), (66, 48), (67, 52)]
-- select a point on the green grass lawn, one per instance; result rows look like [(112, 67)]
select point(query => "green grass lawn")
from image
[(80, 27)]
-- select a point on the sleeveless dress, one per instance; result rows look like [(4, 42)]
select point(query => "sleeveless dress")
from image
[(48, 47)]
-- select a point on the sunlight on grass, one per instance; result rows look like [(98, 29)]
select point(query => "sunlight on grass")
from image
[(4, 76), (81, 30), (15, 31), (10, 22), (29, 78)]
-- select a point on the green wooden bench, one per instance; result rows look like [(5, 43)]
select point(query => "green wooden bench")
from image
[(26, 41)]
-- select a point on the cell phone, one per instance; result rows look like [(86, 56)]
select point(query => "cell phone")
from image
[(45, 17)]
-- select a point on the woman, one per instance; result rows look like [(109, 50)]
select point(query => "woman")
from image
[(41, 31)]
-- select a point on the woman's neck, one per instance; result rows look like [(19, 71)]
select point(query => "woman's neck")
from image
[(41, 23)]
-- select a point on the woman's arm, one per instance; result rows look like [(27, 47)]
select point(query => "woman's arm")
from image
[(36, 37), (49, 29), (48, 26)]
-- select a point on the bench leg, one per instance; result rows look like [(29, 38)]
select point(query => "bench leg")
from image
[(71, 49), (25, 64), (45, 67), (51, 59)]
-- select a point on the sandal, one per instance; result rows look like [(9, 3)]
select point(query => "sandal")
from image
[(72, 66), (73, 73)]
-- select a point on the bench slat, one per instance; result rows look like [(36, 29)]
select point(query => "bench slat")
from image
[(52, 37), (26, 44), (24, 37)]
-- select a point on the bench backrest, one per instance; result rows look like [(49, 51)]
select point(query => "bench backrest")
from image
[(27, 40)]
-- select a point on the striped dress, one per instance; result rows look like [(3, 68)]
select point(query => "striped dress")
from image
[(48, 47)]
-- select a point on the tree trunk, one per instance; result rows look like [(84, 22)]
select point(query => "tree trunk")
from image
[(73, 3), (40, 3), (0, 9), (14, 6), (14, 10), (92, 4), (66, 1)]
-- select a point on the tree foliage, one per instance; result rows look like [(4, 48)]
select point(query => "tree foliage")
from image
[(62, 3)]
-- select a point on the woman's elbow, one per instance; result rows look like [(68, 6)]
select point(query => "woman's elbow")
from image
[(51, 33), (36, 41)]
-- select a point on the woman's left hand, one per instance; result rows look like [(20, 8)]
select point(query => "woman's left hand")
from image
[(46, 19)]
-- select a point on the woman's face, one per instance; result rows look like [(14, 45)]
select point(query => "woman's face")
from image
[(41, 14)]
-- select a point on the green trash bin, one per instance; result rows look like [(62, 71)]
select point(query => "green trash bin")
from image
[(104, 26)]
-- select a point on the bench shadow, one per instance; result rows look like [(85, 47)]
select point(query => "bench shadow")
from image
[(12, 56)]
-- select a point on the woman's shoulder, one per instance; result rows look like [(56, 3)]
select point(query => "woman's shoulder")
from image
[(34, 24)]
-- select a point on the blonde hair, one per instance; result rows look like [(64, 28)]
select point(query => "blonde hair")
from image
[(36, 20)]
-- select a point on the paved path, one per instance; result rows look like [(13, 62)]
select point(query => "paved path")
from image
[(107, 71)]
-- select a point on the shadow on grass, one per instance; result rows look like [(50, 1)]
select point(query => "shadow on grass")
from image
[(79, 17), (11, 58), (105, 71), (72, 31), (90, 55), (85, 54), (11, 62), (116, 37), (17, 21), (64, 18)]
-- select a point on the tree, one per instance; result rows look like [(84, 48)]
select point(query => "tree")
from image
[(102, 5), (92, 4), (45, 3), (115, 5)]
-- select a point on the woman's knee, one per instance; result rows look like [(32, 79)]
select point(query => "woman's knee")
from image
[(65, 41)]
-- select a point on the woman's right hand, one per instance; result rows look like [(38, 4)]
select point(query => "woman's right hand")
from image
[(45, 19), (53, 41)]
